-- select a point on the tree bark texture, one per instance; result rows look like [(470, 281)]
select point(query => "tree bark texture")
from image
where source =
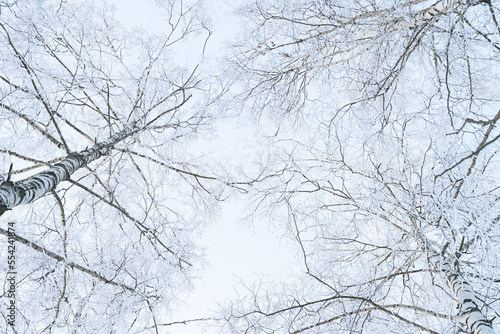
[(15, 193), (469, 312)]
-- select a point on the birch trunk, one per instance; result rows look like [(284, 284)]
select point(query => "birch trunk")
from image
[(469, 312), (15, 193)]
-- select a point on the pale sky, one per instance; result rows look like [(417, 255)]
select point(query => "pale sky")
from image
[(234, 251)]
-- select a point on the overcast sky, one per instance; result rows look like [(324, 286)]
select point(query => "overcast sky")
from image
[(234, 251)]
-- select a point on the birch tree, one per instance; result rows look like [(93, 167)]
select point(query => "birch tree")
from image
[(102, 198), (389, 184)]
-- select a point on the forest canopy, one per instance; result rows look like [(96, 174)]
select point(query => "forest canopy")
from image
[(377, 159)]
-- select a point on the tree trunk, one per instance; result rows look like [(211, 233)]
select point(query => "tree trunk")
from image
[(16, 193), (469, 311)]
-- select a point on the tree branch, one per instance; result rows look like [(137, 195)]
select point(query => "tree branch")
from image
[(59, 258)]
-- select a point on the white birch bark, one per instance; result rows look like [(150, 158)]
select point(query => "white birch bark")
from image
[(469, 312), (16, 193)]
